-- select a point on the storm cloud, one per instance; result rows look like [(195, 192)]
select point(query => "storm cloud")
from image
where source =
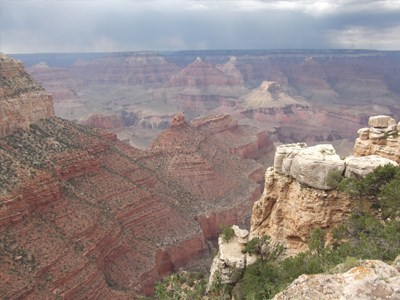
[(28, 26)]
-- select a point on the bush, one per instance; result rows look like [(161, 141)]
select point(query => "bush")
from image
[(227, 233), (390, 199), (261, 280), (253, 246), (371, 185), (317, 241), (334, 178)]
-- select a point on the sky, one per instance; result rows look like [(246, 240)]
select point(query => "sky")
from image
[(42, 26)]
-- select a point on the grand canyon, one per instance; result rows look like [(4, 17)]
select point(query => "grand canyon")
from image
[(123, 167), (293, 95)]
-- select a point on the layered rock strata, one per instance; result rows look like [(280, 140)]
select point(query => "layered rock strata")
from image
[(84, 216), (381, 138), (22, 100)]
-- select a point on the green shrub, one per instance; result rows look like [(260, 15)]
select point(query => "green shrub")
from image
[(227, 233), (253, 246), (389, 197), (334, 178)]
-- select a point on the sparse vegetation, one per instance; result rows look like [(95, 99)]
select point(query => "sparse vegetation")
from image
[(334, 178), (183, 285), (226, 233)]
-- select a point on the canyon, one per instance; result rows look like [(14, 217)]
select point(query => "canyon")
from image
[(295, 96), (85, 216)]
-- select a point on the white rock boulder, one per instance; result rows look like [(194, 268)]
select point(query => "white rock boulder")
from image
[(363, 165), (381, 121), (285, 153), (311, 166)]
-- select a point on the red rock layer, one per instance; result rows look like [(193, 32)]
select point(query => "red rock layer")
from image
[(83, 215)]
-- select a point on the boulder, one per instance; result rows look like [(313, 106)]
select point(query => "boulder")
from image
[(285, 153), (363, 133), (362, 166), (241, 234), (381, 121), (311, 166)]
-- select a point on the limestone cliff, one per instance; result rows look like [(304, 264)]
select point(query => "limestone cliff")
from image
[(288, 210), (22, 100), (299, 192)]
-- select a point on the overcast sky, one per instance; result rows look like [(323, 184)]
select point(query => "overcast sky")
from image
[(29, 26)]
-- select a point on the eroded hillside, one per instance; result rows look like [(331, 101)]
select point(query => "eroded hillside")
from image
[(83, 215)]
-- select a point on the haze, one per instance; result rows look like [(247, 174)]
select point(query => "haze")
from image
[(123, 25)]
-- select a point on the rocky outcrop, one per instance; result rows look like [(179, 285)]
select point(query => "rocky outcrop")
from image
[(231, 260), (288, 210), (308, 165), (178, 120), (269, 94), (381, 138), (371, 279), (22, 100), (299, 192), (361, 166)]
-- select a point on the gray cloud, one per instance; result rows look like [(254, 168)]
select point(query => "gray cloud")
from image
[(124, 25)]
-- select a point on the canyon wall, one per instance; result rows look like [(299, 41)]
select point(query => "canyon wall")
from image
[(22, 100), (85, 216)]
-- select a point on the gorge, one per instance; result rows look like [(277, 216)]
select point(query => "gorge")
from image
[(85, 215)]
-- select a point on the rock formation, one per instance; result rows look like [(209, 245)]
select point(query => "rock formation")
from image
[(299, 192), (288, 210), (231, 260), (372, 279), (381, 138), (269, 94), (308, 165), (22, 100)]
